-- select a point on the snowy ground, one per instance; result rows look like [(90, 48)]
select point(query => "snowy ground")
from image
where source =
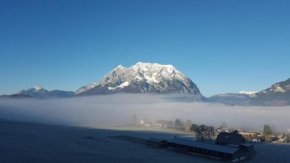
[(26, 143)]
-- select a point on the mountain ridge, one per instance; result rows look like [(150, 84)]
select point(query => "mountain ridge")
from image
[(143, 78), (39, 92), (163, 79), (278, 94)]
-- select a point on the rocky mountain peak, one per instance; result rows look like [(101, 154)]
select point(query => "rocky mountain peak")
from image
[(143, 77), (37, 88)]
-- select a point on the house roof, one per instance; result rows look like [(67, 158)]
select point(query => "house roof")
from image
[(247, 144), (233, 145), (230, 138), (145, 121), (212, 147), (155, 140)]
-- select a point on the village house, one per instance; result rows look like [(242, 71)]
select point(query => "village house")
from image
[(222, 130), (272, 138), (225, 138), (257, 140), (164, 124), (145, 122), (282, 138), (248, 135), (235, 140)]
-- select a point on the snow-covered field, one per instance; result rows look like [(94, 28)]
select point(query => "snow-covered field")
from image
[(31, 143)]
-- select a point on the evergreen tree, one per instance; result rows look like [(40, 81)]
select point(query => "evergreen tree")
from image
[(193, 127), (267, 130), (178, 123)]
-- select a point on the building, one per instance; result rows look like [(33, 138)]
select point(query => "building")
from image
[(211, 150), (248, 135), (228, 146), (235, 140), (164, 124), (271, 138), (256, 140), (222, 130), (145, 122), (282, 138)]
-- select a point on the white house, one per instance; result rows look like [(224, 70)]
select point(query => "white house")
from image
[(145, 122)]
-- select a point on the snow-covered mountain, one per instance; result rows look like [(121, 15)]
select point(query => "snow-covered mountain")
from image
[(40, 92), (165, 79), (143, 77), (229, 98), (250, 93), (232, 98), (35, 91), (277, 94)]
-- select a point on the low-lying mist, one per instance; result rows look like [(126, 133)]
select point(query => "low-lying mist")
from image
[(118, 109)]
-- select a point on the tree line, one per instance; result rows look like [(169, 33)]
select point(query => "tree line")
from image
[(202, 132)]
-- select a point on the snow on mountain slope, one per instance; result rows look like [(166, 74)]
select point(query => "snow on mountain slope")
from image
[(229, 98), (250, 93), (143, 77), (40, 92), (33, 90), (277, 94), (85, 88)]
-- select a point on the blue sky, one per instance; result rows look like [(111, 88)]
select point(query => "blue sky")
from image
[(223, 46)]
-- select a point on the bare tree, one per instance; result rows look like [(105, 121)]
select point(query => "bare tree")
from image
[(187, 125), (178, 124), (204, 133)]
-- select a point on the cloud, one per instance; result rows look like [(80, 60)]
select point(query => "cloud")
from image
[(118, 109)]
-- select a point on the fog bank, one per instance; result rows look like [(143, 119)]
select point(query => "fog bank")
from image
[(118, 109)]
